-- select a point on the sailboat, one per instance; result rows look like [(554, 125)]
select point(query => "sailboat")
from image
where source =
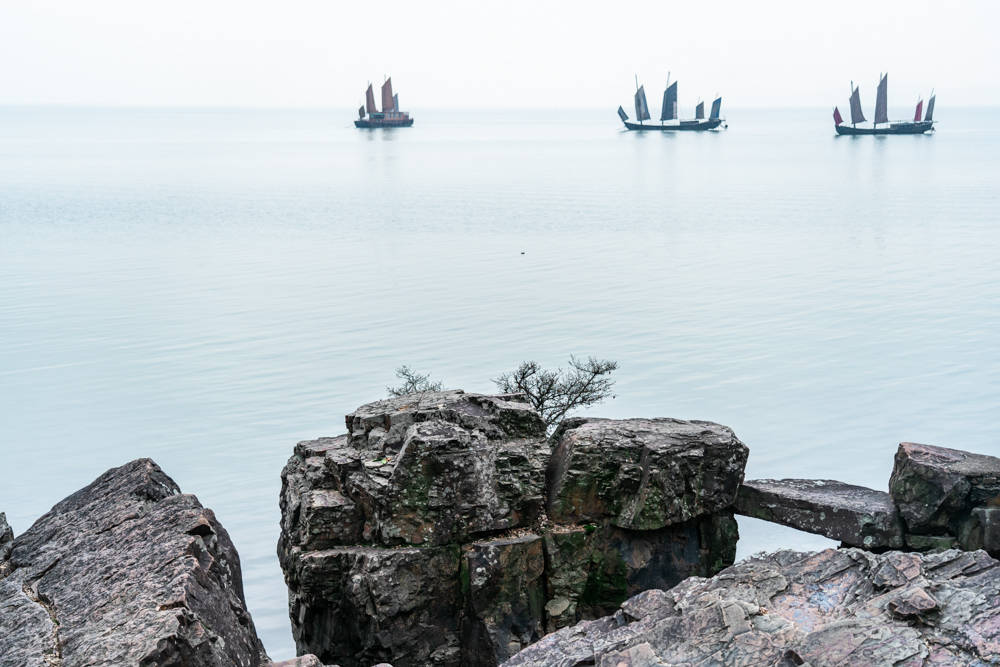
[(389, 116), (881, 123), (669, 119)]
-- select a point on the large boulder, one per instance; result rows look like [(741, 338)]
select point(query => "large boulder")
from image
[(420, 537), (835, 607), (126, 571), (938, 489), (643, 474), (855, 515)]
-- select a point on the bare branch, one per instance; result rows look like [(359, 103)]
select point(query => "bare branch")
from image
[(413, 382)]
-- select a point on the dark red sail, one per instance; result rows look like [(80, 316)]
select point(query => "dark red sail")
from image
[(837, 119), (370, 100), (920, 108)]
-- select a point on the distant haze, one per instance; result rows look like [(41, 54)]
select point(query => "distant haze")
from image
[(492, 54)]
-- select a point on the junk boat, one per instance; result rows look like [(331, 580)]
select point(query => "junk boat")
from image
[(669, 120), (882, 124), (389, 116)]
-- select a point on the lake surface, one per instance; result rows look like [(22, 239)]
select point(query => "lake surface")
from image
[(207, 287)]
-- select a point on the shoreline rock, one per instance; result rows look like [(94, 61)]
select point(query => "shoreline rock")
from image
[(835, 607), (446, 528), (855, 515), (127, 570)]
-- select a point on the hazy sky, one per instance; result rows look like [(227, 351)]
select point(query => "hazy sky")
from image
[(493, 54)]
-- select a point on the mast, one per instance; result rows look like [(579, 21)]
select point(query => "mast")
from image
[(857, 116), (387, 95), (882, 101), (370, 100)]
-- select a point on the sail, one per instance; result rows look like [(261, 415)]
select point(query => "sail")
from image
[(370, 100), (716, 108), (387, 95), (622, 114), (641, 108), (857, 116), (930, 108), (361, 111), (882, 100), (669, 109), (395, 101), (837, 118), (916, 115), (699, 111)]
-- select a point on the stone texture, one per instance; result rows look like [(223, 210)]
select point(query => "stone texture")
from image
[(937, 488), (6, 537), (855, 515), (363, 605), (593, 569), (642, 474), (504, 584), (420, 536), (835, 607), (125, 571)]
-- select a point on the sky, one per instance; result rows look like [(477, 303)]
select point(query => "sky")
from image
[(514, 54)]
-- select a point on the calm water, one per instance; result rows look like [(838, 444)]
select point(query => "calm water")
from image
[(208, 287)]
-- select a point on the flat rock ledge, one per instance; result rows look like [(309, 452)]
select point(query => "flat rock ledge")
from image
[(831, 608), (446, 528), (126, 571), (938, 499), (855, 515)]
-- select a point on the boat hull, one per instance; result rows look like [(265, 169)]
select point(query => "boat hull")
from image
[(372, 124), (892, 128), (685, 126)]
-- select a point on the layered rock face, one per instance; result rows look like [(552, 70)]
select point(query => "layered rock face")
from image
[(832, 608), (126, 571), (421, 537)]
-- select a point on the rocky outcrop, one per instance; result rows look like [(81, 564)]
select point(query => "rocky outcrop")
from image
[(855, 515), (947, 495), (835, 607), (442, 529), (643, 473), (126, 571), (6, 538)]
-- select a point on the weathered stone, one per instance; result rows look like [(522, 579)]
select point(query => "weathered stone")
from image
[(126, 571), (381, 426), (308, 660), (446, 485), (836, 607), (930, 542), (981, 531), (855, 515), (591, 570), (6, 538), (642, 474), (455, 481), (360, 605), (504, 584), (937, 488)]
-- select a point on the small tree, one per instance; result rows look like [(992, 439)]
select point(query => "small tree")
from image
[(413, 382), (555, 393)]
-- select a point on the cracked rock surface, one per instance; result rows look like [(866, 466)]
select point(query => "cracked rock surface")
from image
[(420, 536), (834, 607), (126, 571)]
